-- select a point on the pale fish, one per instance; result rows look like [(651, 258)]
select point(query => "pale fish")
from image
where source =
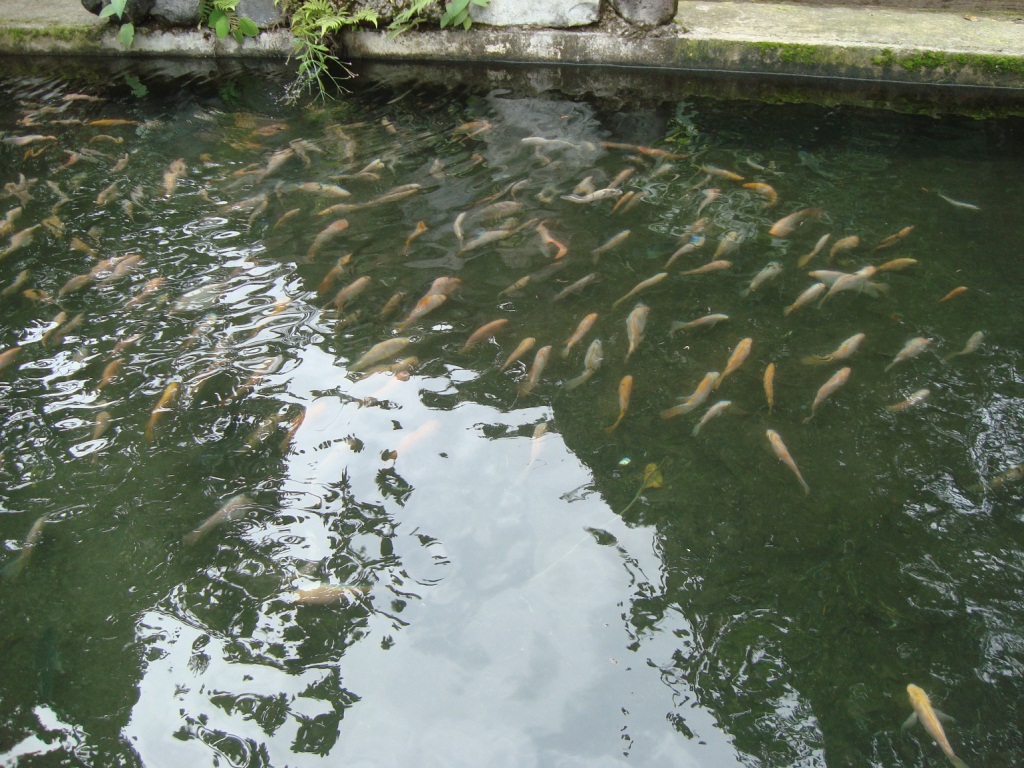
[(715, 410), (954, 293), (803, 260), (893, 239), (696, 399), (916, 398), (232, 509), (18, 284), (784, 456), (393, 195), (421, 227), (709, 195), (827, 276), (163, 405), (912, 348), (331, 231), (842, 245), (174, 172), (443, 286), (612, 242), (971, 346), (340, 267), (8, 356), (110, 372), (326, 594), (960, 204), (641, 286), (16, 566), (806, 298), (767, 191), (708, 321), (424, 306), (350, 291), (524, 346), (591, 362), (721, 173), (378, 352), (785, 226), (540, 361), (836, 380), (696, 242), (843, 351), (769, 386), (593, 197), (713, 266), (773, 269), (546, 239), (929, 718), (101, 425), (635, 324), (730, 242), (391, 305), (20, 240), (577, 286), (739, 354), (485, 331), (581, 330), (625, 392), (897, 265)]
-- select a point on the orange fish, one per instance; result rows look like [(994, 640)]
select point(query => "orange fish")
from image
[(625, 390), (540, 361), (424, 306), (785, 226), (769, 386), (163, 405), (581, 330), (784, 456), (524, 346), (485, 331), (954, 293)]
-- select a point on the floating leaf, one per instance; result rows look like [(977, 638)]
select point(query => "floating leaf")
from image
[(652, 476)]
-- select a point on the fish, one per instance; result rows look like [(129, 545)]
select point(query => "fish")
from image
[(626, 200), (20, 240), (767, 191), (577, 286), (897, 265), (401, 368), (891, 240), (56, 335), (110, 372), (838, 379), (929, 718), (696, 242), (843, 351), (163, 405), (443, 286), (340, 267), (954, 293), (350, 291), (1011, 476), (16, 566), (773, 269), (174, 171), (641, 286), (769, 386), (421, 227), (960, 204), (721, 173), (625, 392), (232, 509), (326, 594), (695, 400), (391, 305), (784, 456), (713, 266), (547, 239), (152, 286), (17, 284), (591, 362), (536, 442), (635, 324), (805, 298), (581, 330), (739, 354), (487, 237), (263, 431), (612, 242), (319, 188), (971, 346), (827, 276), (730, 242), (715, 410), (485, 331), (80, 245), (540, 361), (856, 281), (379, 352), (707, 321), (912, 348), (331, 231), (424, 306), (785, 226), (914, 399), (524, 346), (101, 425), (9, 218), (709, 195), (391, 196), (593, 197), (24, 141), (110, 122), (842, 245)]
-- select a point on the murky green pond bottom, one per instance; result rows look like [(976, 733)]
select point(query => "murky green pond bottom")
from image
[(230, 536)]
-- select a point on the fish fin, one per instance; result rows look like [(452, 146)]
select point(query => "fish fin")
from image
[(909, 721), (956, 762), (192, 539), (744, 293), (943, 717)]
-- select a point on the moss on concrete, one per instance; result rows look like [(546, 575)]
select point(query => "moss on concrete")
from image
[(795, 53), (69, 34), (951, 63)]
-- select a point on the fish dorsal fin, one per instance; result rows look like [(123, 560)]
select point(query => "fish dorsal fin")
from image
[(909, 721)]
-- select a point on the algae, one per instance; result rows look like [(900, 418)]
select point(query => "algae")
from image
[(951, 63)]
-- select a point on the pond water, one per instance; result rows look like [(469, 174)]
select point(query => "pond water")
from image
[(228, 540)]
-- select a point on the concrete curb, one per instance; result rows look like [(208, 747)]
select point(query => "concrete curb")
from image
[(741, 37)]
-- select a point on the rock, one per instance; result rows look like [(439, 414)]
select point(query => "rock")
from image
[(530, 13), (263, 12), (178, 13), (136, 11), (646, 13)]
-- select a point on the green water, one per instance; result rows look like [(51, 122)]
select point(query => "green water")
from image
[(517, 598)]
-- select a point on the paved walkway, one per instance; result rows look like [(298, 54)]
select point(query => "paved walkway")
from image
[(859, 43)]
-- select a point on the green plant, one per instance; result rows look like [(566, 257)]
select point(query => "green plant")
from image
[(456, 13), (313, 22), (126, 35), (220, 15), (409, 18)]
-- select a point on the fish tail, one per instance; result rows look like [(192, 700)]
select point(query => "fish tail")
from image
[(191, 539), (805, 486), (613, 427), (812, 360), (696, 430), (13, 568), (744, 293), (807, 420), (890, 365), (956, 761)]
